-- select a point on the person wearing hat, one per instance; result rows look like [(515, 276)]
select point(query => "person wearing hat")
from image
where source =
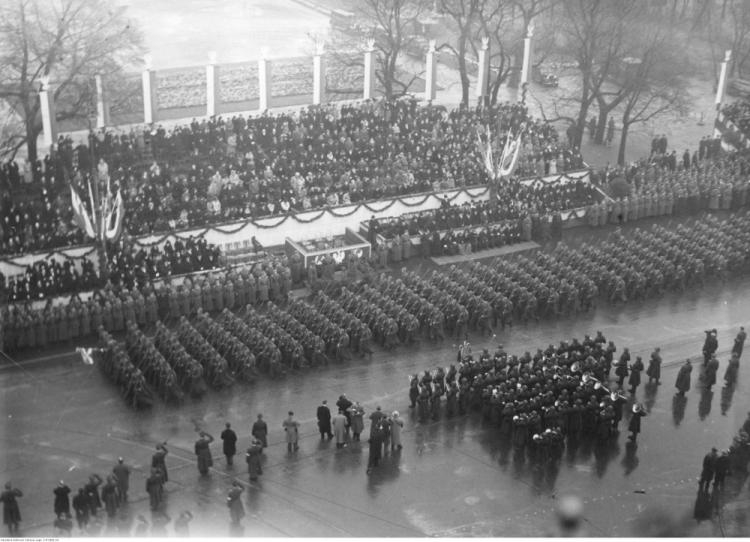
[(397, 425), (709, 375), (710, 346), (739, 342), (324, 420), (260, 431), (11, 511), (229, 440), (234, 502), (721, 469), (683, 378), (62, 500), (708, 471), (252, 458), (158, 460), (203, 452), (291, 428), (654, 367), (635, 375), (155, 487), (122, 475), (634, 426), (81, 507)]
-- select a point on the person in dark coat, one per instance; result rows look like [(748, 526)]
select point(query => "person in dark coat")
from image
[(635, 422), (739, 342), (683, 378), (92, 492), (324, 421), (62, 500), (733, 368), (376, 447), (158, 461), (721, 469), (712, 367), (155, 488), (635, 375), (710, 346), (654, 367), (234, 502), (621, 370), (344, 405), (203, 452), (260, 431), (252, 458), (122, 476), (229, 439), (81, 508), (110, 497), (11, 511), (709, 468)]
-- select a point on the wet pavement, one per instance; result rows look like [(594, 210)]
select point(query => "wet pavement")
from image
[(64, 420)]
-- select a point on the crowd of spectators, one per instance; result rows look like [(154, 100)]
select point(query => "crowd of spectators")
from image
[(516, 201), (129, 266), (223, 169)]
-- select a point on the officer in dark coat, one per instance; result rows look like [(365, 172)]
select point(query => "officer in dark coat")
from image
[(683, 378), (155, 488), (635, 422), (158, 460), (122, 475), (229, 447), (708, 470), (11, 512), (710, 346), (654, 367), (635, 375), (203, 452), (324, 421), (62, 500), (260, 431), (739, 342), (709, 378)]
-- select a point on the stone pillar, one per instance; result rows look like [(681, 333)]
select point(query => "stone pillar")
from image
[(369, 86), (526, 66), (213, 91), (102, 105), (430, 86), (721, 87), (319, 77), (483, 72), (149, 92), (264, 81), (49, 120)]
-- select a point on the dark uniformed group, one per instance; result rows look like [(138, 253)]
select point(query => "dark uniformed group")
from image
[(535, 401), (658, 259)]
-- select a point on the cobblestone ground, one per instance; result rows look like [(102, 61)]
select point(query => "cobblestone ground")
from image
[(63, 420)]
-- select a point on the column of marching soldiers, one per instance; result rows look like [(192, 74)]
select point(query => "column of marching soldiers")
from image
[(216, 329)]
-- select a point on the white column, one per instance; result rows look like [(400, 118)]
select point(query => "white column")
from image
[(526, 67), (212, 85), (264, 80), (430, 86), (49, 120), (369, 84), (102, 105), (319, 77), (483, 72), (148, 81), (721, 87)]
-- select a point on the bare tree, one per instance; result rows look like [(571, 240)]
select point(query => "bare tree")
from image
[(68, 41), (595, 32), (656, 85)]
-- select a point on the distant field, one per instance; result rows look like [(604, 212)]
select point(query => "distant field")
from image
[(182, 32)]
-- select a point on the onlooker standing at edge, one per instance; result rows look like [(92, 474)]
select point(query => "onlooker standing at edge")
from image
[(11, 512), (324, 421), (122, 475), (260, 431), (291, 427), (229, 439)]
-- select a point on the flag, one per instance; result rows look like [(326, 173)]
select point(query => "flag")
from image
[(86, 355), (113, 227), (510, 155), (80, 214)]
